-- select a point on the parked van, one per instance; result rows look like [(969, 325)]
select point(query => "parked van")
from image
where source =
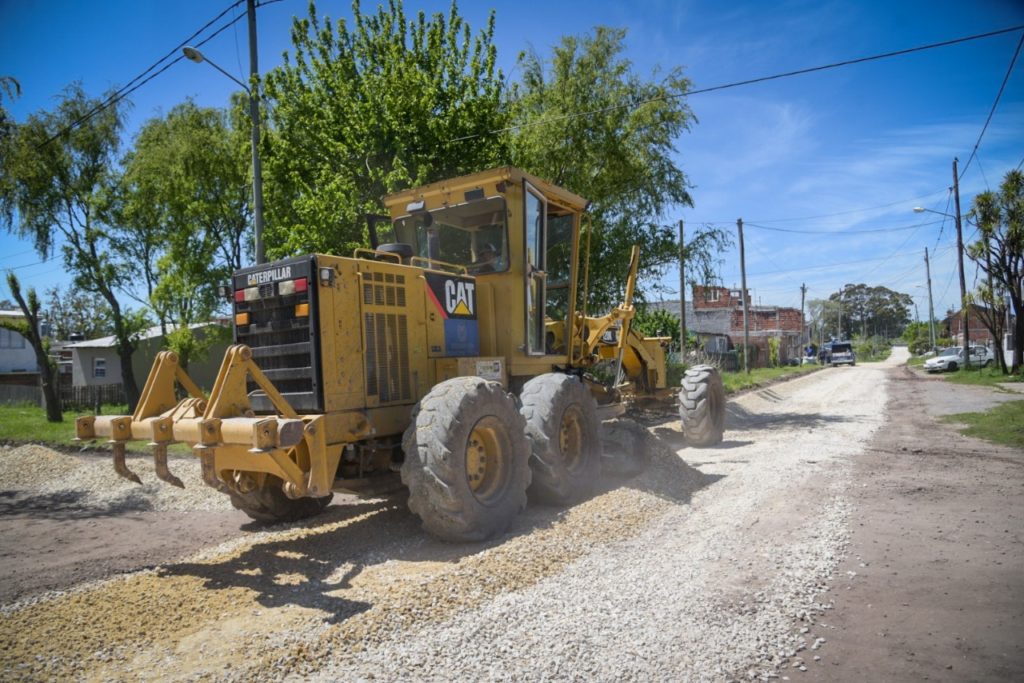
[(842, 354)]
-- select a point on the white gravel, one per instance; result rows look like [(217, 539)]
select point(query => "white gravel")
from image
[(719, 588), (90, 481)]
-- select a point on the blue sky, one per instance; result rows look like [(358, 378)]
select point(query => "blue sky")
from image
[(842, 150)]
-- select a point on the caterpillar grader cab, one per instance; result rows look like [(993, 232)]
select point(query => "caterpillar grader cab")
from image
[(456, 353)]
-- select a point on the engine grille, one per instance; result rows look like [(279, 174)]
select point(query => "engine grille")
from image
[(284, 345), (386, 327)]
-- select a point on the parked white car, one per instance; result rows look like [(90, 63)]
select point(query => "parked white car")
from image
[(953, 358)]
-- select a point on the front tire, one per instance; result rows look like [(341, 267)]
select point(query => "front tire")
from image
[(951, 367), (267, 503), (561, 419), (466, 460), (702, 406)]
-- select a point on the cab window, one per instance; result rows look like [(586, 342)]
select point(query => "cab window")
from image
[(472, 235)]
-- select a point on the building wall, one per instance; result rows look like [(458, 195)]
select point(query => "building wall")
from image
[(203, 372), (16, 354), (705, 298), (766, 322), (82, 364)]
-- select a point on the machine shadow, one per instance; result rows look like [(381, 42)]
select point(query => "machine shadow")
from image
[(738, 417), (69, 504), (315, 566)]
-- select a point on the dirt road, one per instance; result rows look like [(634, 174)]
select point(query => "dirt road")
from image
[(839, 533)]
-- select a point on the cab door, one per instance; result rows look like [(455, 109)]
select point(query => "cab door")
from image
[(535, 216)]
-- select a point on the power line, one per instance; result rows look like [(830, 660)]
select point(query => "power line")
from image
[(992, 111), (142, 78), (839, 233), (846, 213), (736, 84)]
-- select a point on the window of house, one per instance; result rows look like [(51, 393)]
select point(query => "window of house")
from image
[(99, 367), (711, 295)]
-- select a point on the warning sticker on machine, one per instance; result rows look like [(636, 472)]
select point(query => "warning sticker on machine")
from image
[(490, 369)]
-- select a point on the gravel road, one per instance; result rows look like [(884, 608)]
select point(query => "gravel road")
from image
[(711, 565)]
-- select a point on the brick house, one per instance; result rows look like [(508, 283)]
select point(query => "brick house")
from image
[(952, 327), (765, 322)]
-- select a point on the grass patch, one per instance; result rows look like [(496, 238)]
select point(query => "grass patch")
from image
[(1003, 424), (988, 377), (916, 361), (27, 423), (738, 381)]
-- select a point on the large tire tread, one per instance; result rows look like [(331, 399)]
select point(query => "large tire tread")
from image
[(268, 504), (434, 467), (702, 406), (545, 399), (626, 447)]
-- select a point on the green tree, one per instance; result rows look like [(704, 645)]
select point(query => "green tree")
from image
[(364, 110), (184, 203), (60, 177), (30, 330), (9, 88), (585, 120), (872, 311), (657, 323), (77, 312), (999, 250)]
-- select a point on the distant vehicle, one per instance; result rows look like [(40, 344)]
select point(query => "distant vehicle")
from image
[(809, 360), (842, 354), (953, 358)]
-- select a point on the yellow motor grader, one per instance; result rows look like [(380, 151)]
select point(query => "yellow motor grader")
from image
[(457, 351)]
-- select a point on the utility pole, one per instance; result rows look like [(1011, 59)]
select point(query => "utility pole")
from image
[(254, 114), (964, 308), (803, 294), (743, 295), (682, 295), (931, 311)]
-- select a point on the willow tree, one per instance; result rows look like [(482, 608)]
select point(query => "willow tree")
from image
[(59, 169), (365, 108)]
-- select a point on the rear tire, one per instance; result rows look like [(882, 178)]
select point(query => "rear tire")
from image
[(268, 504), (626, 451), (702, 406), (561, 419), (466, 460)]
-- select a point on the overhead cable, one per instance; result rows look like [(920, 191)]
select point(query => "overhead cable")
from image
[(736, 84)]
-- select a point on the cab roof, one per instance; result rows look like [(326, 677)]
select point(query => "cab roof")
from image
[(452, 190)]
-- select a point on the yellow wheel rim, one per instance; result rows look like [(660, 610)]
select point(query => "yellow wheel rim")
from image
[(486, 461), (570, 437)]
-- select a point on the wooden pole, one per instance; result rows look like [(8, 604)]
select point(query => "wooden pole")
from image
[(743, 295), (931, 310), (682, 295), (965, 315)]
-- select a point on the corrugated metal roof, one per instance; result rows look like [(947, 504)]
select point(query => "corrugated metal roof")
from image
[(110, 342)]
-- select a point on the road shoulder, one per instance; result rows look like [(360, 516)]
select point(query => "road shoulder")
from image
[(932, 588)]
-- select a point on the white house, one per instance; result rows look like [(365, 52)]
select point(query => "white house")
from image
[(17, 358), (95, 362)]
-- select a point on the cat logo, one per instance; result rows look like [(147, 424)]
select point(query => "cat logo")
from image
[(458, 297), (454, 296)]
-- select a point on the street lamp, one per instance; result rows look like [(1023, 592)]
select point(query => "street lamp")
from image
[(964, 309), (196, 56)]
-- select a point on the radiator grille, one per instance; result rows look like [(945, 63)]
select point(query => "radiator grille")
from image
[(284, 345), (387, 337)]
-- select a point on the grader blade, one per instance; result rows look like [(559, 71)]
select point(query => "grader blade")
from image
[(118, 447), (162, 472)]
